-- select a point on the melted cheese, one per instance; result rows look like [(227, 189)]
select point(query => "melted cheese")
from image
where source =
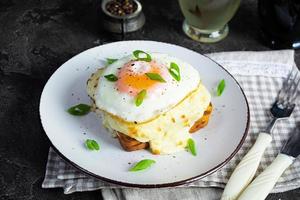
[(169, 132)]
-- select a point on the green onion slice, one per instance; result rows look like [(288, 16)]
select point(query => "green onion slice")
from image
[(111, 77), (143, 164), (79, 110), (156, 77), (174, 71), (221, 87), (140, 97), (110, 61), (192, 146), (92, 144), (142, 56)]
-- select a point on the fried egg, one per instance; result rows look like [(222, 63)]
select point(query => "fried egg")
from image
[(167, 112), (118, 98)]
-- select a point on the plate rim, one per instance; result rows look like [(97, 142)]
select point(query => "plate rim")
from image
[(162, 185)]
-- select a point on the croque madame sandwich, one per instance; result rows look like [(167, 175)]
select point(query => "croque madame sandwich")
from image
[(150, 100)]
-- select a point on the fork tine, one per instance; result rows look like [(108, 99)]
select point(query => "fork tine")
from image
[(294, 93), (286, 94), (287, 80), (284, 85)]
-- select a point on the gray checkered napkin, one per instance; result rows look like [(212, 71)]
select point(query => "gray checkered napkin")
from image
[(260, 74)]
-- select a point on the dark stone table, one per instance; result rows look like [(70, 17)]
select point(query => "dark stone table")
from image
[(37, 36)]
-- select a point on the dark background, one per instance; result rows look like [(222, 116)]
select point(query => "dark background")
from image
[(36, 37)]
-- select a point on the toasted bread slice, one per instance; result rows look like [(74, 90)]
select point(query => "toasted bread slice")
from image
[(130, 144), (203, 121)]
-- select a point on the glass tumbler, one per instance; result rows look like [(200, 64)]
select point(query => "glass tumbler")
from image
[(206, 20)]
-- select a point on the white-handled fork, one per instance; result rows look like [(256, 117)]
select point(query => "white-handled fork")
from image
[(245, 170)]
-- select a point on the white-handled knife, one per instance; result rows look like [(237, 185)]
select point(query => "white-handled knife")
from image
[(261, 186)]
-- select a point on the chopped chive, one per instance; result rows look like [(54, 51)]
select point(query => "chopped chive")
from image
[(145, 56), (156, 77), (141, 165), (111, 77), (79, 110)]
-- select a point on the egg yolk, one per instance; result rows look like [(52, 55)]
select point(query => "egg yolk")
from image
[(132, 76)]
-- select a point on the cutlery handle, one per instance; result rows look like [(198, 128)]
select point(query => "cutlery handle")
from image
[(245, 170), (263, 183)]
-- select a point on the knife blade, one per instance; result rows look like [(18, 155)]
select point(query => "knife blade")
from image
[(261, 186), (292, 146)]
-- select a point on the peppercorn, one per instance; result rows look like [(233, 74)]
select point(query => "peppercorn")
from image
[(121, 7)]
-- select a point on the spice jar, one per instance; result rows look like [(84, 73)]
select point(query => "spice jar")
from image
[(122, 16)]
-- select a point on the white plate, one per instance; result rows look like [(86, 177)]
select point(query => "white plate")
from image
[(216, 144)]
